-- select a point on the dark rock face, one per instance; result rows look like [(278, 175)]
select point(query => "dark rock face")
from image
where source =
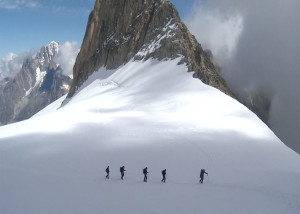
[(39, 83), (118, 31)]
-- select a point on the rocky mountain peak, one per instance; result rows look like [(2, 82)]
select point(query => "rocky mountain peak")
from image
[(47, 54), (118, 31)]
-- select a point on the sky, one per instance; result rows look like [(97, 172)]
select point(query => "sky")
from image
[(27, 24)]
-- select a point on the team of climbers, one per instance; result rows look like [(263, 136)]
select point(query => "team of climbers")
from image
[(145, 172)]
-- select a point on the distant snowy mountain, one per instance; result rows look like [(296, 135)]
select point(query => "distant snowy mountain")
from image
[(39, 82), (137, 117)]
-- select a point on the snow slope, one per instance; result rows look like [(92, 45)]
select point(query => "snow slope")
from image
[(146, 114)]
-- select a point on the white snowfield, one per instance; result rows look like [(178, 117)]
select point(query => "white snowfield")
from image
[(154, 114)]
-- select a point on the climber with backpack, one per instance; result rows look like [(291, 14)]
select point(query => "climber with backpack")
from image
[(122, 170), (202, 172), (145, 172), (107, 172), (164, 173)]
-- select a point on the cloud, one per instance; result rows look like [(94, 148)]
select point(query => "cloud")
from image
[(18, 4), (11, 64), (60, 9), (263, 53), (218, 32), (66, 56)]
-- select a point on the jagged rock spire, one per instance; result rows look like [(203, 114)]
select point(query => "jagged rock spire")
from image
[(118, 31), (39, 82)]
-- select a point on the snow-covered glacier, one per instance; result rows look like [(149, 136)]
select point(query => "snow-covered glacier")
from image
[(146, 113)]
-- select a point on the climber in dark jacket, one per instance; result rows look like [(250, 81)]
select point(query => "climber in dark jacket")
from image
[(122, 170), (202, 172), (145, 172), (107, 172), (164, 173)]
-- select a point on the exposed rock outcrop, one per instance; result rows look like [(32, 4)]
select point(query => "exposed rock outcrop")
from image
[(118, 31)]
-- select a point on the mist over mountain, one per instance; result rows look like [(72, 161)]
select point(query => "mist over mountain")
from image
[(257, 45), (12, 63)]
